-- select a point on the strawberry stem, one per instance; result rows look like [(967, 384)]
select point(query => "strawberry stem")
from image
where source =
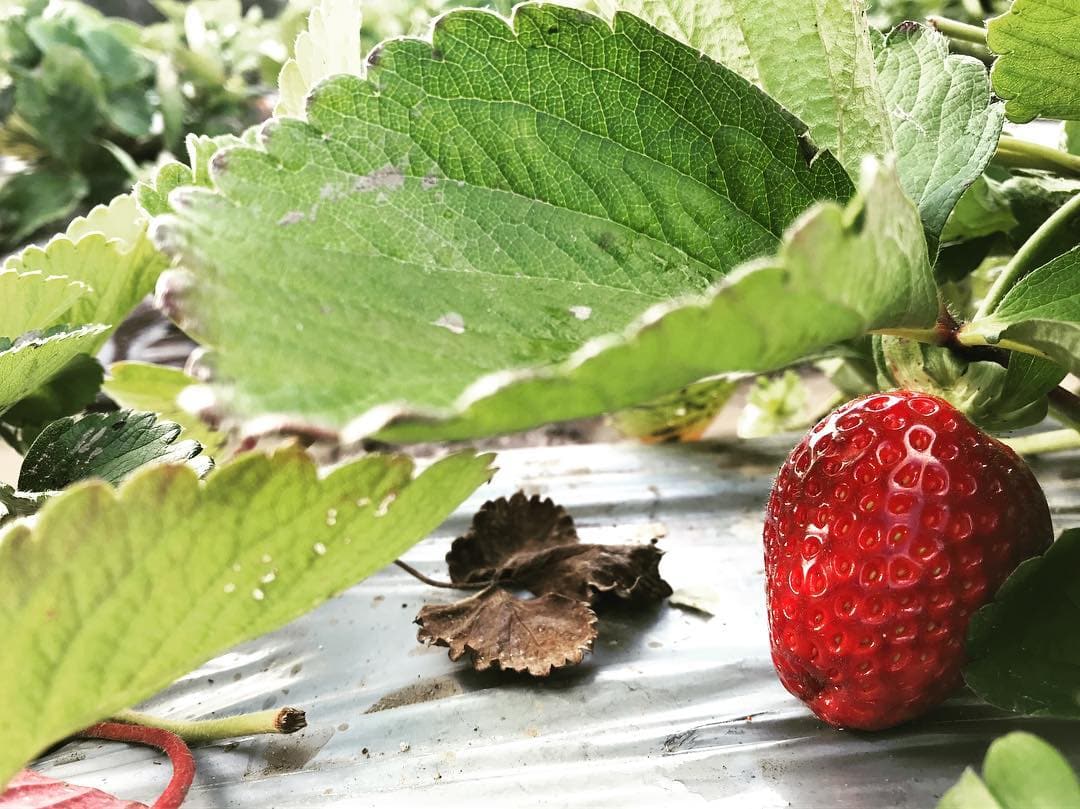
[(955, 29), (1029, 256), (1021, 154), (1040, 443), (283, 720), (172, 745)]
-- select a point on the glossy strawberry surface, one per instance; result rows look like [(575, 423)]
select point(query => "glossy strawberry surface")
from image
[(888, 526)]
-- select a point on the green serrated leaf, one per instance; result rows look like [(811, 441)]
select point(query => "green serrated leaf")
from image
[(1041, 314), (72, 388), (113, 594), (1017, 658), (1037, 71), (156, 388), (1021, 771), (108, 251), (33, 359), (330, 45), (35, 300), (109, 446), (945, 128), (492, 222), (839, 274), (821, 67)]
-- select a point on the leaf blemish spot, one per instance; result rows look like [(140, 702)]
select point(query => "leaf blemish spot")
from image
[(452, 322), (581, 312), (291, 218)]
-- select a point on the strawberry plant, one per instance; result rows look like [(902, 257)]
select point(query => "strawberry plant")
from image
[(556, 213)]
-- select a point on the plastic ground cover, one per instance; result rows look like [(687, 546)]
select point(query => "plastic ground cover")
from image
[(673, 708)]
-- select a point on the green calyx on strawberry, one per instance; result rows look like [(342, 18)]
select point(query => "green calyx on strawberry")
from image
[(888, 526), (994, 396)]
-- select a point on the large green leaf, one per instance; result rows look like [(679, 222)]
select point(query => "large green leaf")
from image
[(1037, 70), (813, 57), (157, 388), (32, 360), (1021, 771), (109, 446), (108, 251), (113, 594), (1021, 648), (1041, 314), (35, 300), (945, 128), (488, 201), (839, 273)]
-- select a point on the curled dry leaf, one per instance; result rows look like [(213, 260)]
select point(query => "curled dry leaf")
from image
[(504, 528), (499, 629), (524, 543), (532, 544)]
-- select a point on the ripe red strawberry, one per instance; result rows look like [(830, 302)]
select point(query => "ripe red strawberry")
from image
[(888, 526)]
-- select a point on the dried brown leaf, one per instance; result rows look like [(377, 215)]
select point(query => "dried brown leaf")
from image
[(630, 572), (532, 544), (503, 528), (501, 630)]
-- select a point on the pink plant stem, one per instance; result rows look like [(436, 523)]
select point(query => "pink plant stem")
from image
[(169, 743)]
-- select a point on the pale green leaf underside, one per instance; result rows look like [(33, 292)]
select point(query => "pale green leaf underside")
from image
[(156, 388), (34, 300), (945, 128), (489, 201), (1017, 658), (1021, 771), (1040, 314), (113, 594), (1037, 70), (330, 44), (813, 56), (109, 252), (34, 360), (109, 446), (839, 274)]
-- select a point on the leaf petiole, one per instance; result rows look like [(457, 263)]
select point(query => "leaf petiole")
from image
[(204, 731), (1027, 258), (954, 29), (1050, 441), (1021, 154)]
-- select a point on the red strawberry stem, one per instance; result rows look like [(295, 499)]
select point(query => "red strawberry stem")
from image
[(169, 743), (277, 720)]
